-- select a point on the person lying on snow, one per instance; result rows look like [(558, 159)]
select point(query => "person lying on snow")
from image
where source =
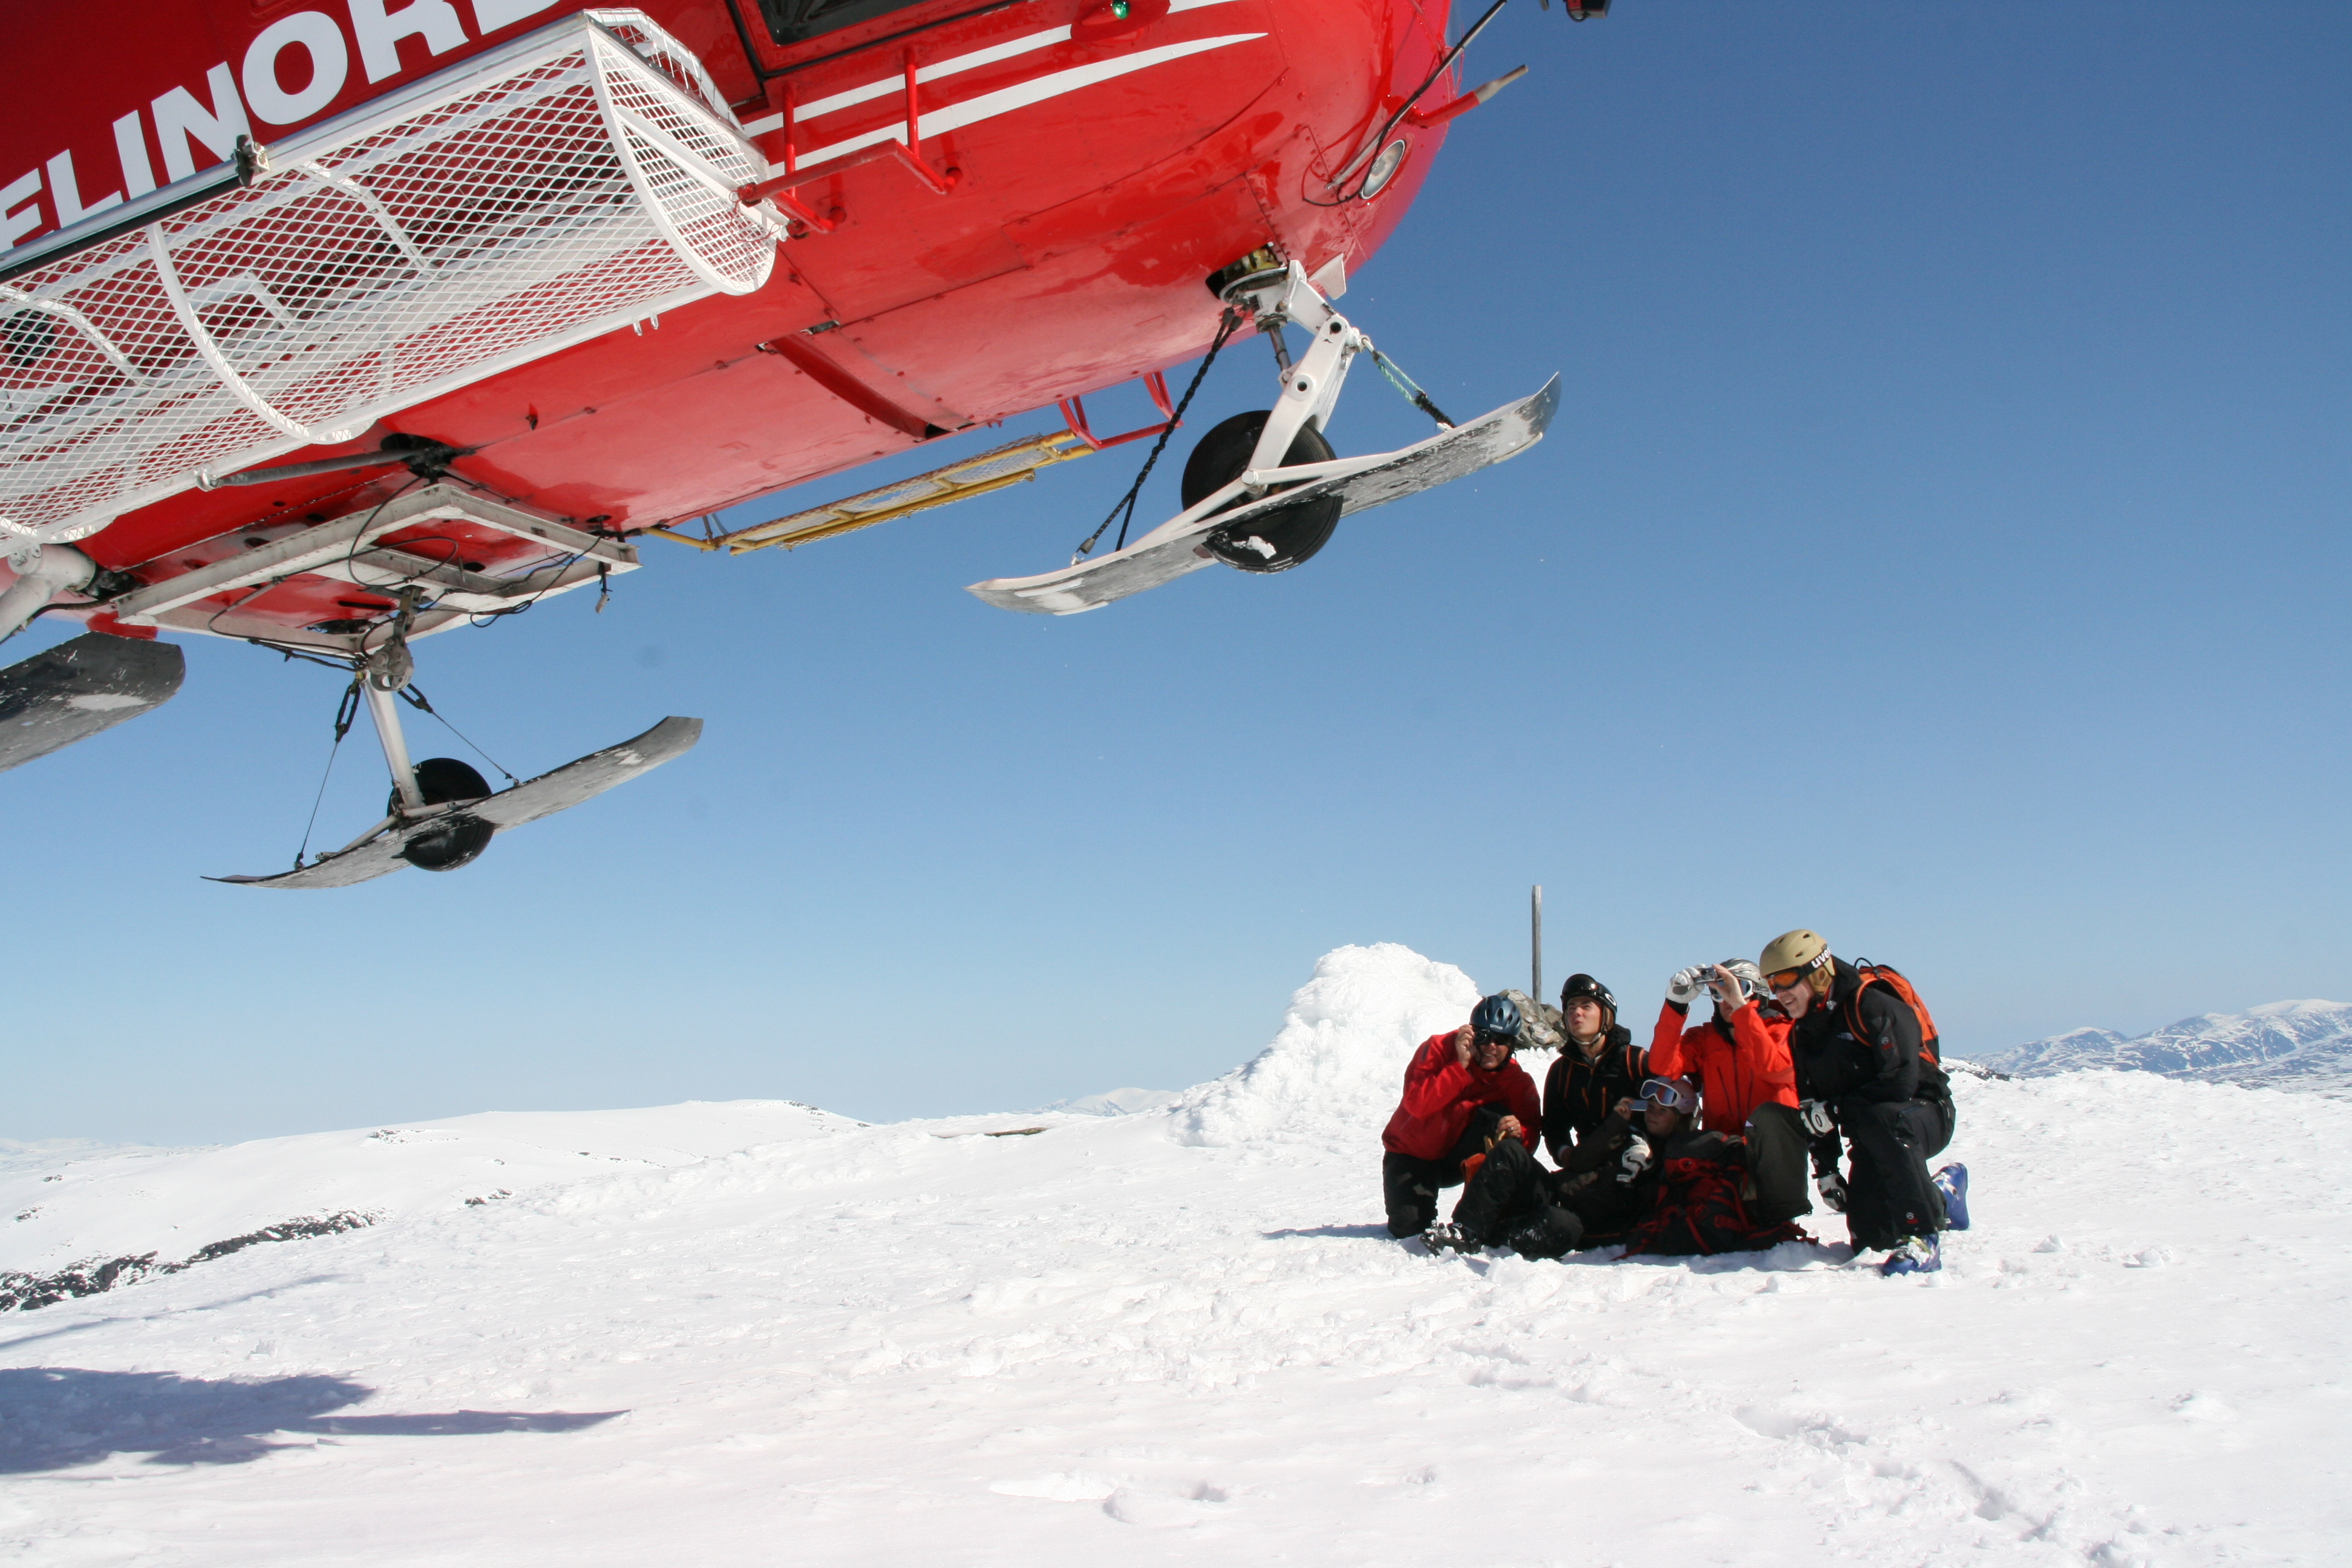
[(1603, 1188), (1450, 1081), (1866, 1065), (1750, 1086), (1598, 1068)]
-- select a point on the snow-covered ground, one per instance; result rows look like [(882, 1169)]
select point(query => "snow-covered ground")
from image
[(753, 1334)]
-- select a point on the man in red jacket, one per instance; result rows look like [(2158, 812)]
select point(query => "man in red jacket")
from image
[(1461, 1088), (1742, 1054)]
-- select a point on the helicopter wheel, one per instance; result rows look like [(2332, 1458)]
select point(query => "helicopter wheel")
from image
[(1272, 541), (454, 840)]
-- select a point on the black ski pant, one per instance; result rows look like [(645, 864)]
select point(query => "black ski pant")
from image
[(1776, 1164), (1888, 1194), (1411, 1186), (1510, 1201)]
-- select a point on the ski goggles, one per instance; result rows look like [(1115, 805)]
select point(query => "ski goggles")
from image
[(1786, 979), (1672, 1092)]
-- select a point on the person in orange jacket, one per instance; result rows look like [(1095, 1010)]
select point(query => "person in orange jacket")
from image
[(1461, 1089), (1742, 1056)]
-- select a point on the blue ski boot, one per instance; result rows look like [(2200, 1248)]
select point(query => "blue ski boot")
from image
[(1952, 1181), (1917, 1255)]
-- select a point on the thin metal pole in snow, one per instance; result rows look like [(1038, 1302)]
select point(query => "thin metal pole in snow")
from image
[(1535, 913)]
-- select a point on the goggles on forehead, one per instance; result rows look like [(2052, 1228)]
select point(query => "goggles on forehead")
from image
[(1672, 1092)]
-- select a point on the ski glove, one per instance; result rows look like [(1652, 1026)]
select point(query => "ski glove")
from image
[(1815, 1119), (1635, 1160), (1684, 988), (1833, 1186)]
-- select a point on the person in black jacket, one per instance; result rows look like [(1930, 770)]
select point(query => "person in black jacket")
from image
[(1598, 1067), (1860, 1071)]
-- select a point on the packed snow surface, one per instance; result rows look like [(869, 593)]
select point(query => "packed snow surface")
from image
[(754, 1334), (2301, 1046)]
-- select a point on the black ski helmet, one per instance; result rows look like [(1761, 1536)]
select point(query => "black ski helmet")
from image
[(1585, 985), (1496, 1018)]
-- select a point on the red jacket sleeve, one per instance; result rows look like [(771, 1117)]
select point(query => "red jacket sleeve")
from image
[(1666, 1043), (1763, 1049), (1434, 1080)]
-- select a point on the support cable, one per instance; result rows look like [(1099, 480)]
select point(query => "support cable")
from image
[(1411, 389), (415, 698), (1445, 64), (1226, 327), (345, 712)]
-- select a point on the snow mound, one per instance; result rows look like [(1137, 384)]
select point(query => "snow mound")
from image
[(2301, 1046), (1335, 1070)]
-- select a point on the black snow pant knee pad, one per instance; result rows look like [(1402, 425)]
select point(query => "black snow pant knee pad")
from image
[(1409, 1188), (1555, 1234), (1777, 1160), (1889, 1196), (1501, 1194)]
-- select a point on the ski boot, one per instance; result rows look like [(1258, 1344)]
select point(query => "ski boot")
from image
[(1447, 1238), (1952, 1181), (1914, 1255)]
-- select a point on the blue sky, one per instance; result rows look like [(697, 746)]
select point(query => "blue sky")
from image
[(1942, 544)]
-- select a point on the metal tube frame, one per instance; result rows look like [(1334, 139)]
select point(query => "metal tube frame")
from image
[(384, 707)]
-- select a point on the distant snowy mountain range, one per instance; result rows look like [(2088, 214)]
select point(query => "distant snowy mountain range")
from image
[(1116, 1102), (2304, 1046)]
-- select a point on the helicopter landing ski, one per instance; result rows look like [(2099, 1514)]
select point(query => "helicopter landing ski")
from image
[(80, 688), (442, 835), (1180, 544)]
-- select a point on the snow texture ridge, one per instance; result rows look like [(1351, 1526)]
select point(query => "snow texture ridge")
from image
[(91, 1210), (2282, 1045), (1334, 1071)]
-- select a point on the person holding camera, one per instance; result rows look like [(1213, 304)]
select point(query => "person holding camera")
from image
[(1462, 1092), (1741, 1055), (1598, 1067), (1866, 1067)]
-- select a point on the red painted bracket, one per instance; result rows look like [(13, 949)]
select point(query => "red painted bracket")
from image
[(780, 188), (910, 150), (1074, 414)]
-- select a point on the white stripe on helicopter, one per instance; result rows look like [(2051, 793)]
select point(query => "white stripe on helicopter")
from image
[(988, 106), (933, 72)]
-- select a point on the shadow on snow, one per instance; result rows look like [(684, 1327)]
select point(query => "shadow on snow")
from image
[(61, 1416), (1344, 1232)]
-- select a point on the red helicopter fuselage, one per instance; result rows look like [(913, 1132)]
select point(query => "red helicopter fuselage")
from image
[(1079, 170)]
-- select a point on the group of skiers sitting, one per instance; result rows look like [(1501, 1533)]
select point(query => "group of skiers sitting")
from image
[(1698, 1144)]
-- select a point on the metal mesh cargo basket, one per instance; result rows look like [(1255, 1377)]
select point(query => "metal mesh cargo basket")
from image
[(537, 196)]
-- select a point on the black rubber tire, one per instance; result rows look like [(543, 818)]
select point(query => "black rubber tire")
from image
[(456, 840), (443, 779), (1294, 532)]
